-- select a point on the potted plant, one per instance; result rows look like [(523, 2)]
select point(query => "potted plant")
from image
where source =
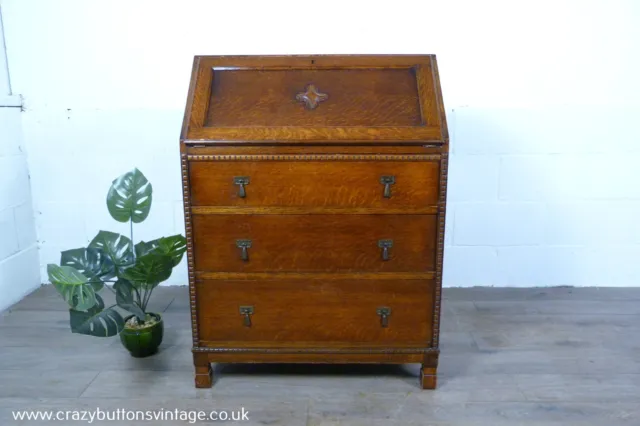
[(111, 261)]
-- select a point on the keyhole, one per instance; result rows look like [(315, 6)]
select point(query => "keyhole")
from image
[(313, 62)]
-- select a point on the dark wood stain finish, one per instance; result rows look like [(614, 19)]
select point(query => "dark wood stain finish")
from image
[(315, 243), (402, 122), (313, 312), (383, 97), (292, 153), (315, 183)]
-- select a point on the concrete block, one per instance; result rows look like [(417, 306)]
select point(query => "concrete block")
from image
[(25, 225), (561, 177), (524, 266), (473, 178), (605, 266), (19, 275), (8, 235), (61, 179), (14, 181), (592, 223), (178, 217), (469, 266), (61, 223), (449, 224), (498, 224), (546, 129), (10, 132)]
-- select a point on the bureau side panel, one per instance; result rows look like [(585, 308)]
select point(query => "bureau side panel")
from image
[(188, 225), (442, 212)]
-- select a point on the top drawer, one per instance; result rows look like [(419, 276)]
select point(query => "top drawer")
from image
[(299, 99), (386, 185)]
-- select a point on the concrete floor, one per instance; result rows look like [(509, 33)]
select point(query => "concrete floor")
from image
[(558, 356)]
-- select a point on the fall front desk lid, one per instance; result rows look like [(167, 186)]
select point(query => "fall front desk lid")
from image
[(315, 99)]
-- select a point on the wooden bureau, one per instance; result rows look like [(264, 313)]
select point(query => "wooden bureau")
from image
[(314, 202)]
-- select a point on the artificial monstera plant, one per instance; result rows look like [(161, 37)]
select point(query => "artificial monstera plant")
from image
[(111, 262)]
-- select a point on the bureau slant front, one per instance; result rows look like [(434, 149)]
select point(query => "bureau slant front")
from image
[(314, 204)]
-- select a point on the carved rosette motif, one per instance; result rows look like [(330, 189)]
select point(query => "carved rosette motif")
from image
[(311, 97)]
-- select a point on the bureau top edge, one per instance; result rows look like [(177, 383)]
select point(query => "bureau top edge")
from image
[(192, 143), (311, 99)]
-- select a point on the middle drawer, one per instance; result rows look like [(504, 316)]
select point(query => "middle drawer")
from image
[(314, 243)]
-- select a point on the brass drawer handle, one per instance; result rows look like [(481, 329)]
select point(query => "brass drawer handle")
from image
[(244, 245), (241, 181), (385, 245), (387, 181), (247, 311), (384, 313)]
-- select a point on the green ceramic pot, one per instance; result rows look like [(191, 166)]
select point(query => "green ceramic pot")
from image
[(144, 341)]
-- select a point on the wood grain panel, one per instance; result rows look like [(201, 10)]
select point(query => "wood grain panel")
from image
[(315, 183), (379, 149), (327, 61), (326, 276), (315, 311), (307, 135), (369, 100), (313, 210), (357, 97), (309, 243), (311, 358)]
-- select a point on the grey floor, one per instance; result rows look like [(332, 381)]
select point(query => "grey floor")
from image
[(556, 356)]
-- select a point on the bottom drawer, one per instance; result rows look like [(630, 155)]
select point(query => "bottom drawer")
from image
[(307, 311)]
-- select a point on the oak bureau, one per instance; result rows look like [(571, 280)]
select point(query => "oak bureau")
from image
[(314, 202)]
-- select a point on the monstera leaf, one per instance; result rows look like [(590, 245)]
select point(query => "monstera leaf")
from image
[(129, 197), (144, 247), (96, 321), (92, 263), (173, 246), (73, 286), (117, 247), (125, 298), (149, 270)]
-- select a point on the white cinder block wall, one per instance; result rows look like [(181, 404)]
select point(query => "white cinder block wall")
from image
[(19, 272), (543, 100)]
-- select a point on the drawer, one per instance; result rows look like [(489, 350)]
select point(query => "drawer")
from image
[(357, 184), (307, 243), (313, 310)]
